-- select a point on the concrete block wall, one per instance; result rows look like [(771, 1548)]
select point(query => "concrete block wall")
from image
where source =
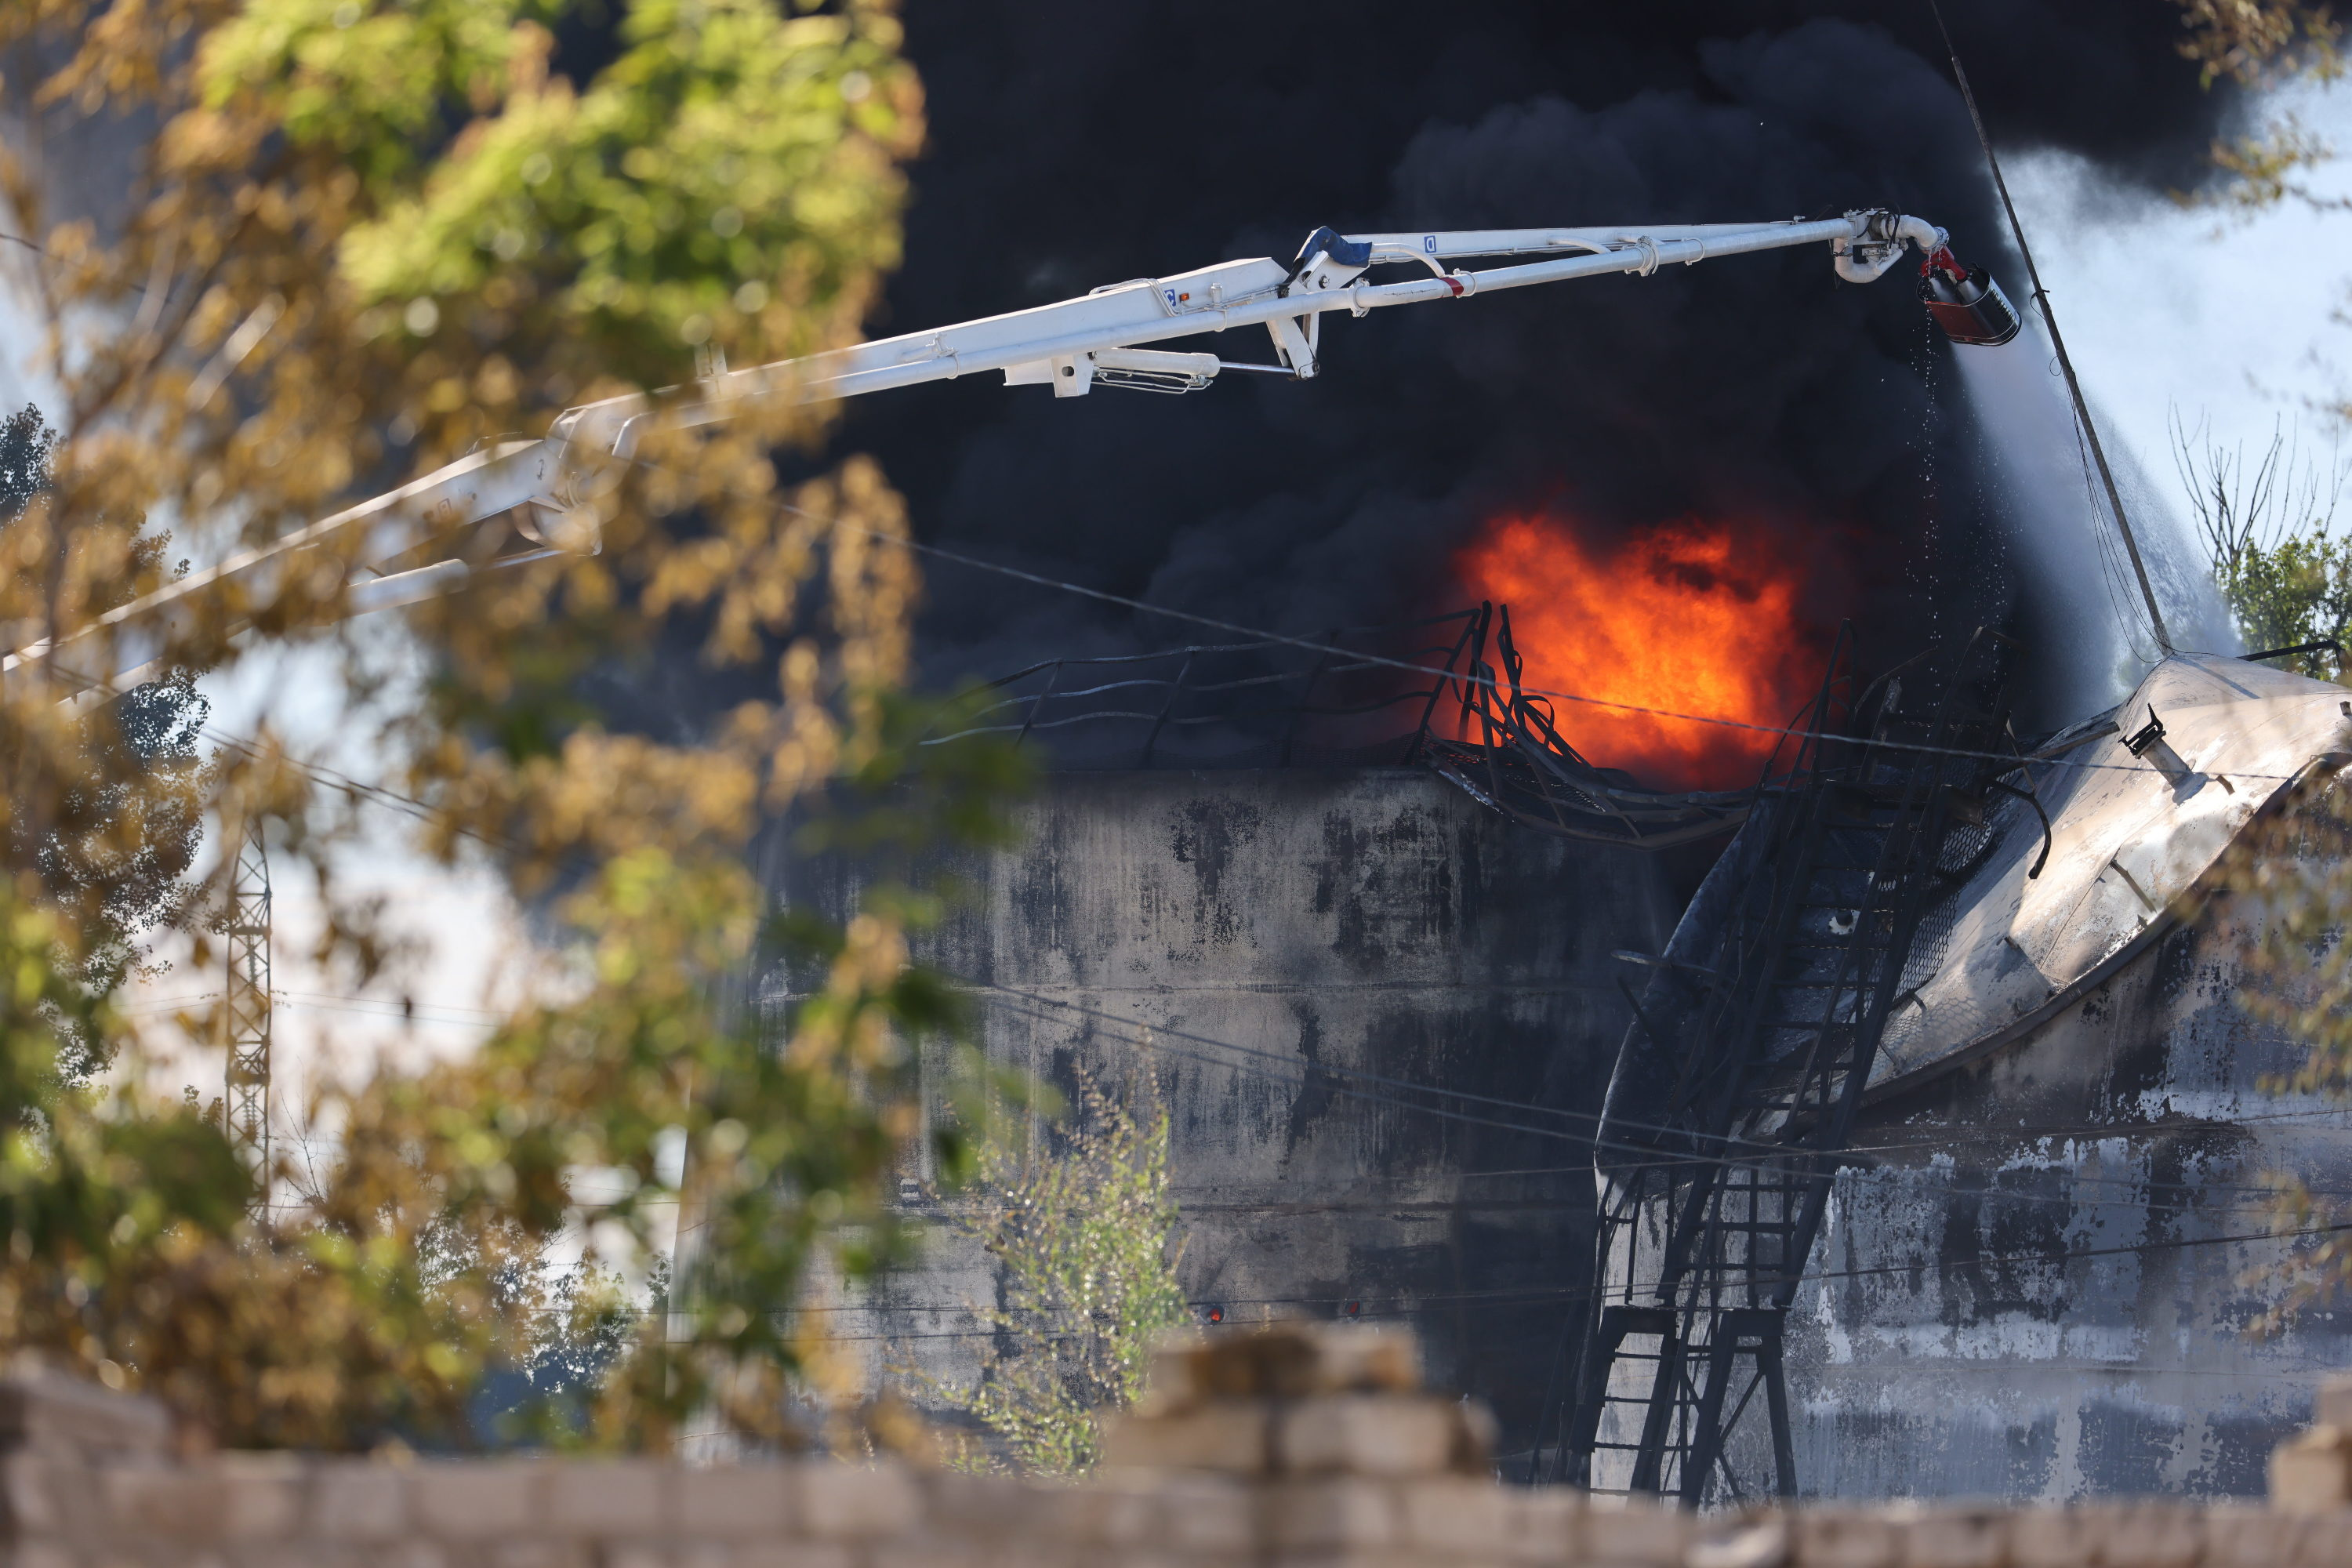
[(1284, 1450)]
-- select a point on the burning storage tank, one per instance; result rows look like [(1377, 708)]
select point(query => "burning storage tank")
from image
[(2041, 1251), (1380, 968), (1373, 939), (1965, 1201), (1253, 925), (1379, 1010), (1361, 924)]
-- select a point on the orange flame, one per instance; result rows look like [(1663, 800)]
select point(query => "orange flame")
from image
[(1694, 616)]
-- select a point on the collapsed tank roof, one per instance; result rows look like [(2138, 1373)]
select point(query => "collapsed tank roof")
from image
[(2138, 822)]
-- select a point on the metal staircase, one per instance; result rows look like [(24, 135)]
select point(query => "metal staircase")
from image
[(1738, 1083)]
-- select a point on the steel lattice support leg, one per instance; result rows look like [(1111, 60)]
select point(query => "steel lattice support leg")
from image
[(1803, 956), (1753, 1332), (244, 1105), (1599, 1365)]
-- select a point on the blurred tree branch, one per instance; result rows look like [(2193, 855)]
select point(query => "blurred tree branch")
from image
[(361, 237), (2262, 45)]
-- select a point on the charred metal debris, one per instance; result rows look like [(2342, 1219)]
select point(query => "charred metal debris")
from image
[(1347, 703)]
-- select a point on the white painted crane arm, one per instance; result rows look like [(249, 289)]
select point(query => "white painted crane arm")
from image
[(1045, 342), (1069, 346)]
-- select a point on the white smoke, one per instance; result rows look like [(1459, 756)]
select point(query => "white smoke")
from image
[(2089, 624)]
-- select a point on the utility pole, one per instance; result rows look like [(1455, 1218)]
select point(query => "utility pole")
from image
[(245, 1106)]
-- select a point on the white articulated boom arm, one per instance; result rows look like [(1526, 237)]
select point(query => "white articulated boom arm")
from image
[(1072, 346)]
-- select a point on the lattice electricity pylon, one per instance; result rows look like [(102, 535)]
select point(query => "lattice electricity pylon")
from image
[(246, 1103), (1738, 1083)]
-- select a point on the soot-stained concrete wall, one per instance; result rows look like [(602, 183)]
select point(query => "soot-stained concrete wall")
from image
[(1364, 921), (1953, 1348)]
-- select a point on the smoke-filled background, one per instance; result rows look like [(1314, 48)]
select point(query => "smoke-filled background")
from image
[(1821, 423), (1836, 456)]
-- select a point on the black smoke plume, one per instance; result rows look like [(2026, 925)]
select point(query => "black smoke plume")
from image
[(1076, 145)]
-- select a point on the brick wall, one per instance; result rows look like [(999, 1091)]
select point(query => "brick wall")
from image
[(1277, 1449)]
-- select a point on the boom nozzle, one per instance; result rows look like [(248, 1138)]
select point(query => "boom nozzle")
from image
[(1965, 302)]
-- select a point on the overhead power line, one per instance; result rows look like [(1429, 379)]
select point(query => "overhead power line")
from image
[(1310, 644), (1755, 1147), (1293, 1072), (1148, 1035), (1535, 1296)]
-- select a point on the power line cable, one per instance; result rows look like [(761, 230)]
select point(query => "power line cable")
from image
[(374, 795), (1589, 1141), (425, 812), (1305, 1070), (1469, 677), (2147, 1184), (392, 1014), (488, 1014), (1294, 1073), (417, 808), (1540, 1296), (2069, 1201)]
